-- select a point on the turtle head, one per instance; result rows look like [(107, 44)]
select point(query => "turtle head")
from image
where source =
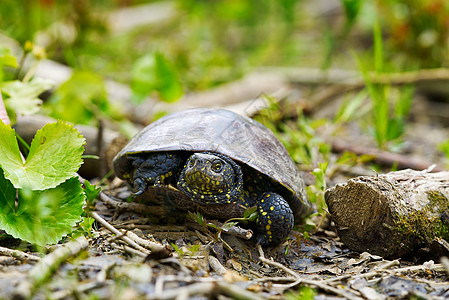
[(211, 178)]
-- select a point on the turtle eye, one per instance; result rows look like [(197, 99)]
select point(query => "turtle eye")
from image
[(217, 165), (191, 162)]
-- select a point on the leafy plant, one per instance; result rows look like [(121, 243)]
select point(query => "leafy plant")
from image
[(6, 60), (299, 137), (390, 106), (316, 192), (153, 72), (21, 96), (50, 197), (186, 251), (304, 293), (80, 99)]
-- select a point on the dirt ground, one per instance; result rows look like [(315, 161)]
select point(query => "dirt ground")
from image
[(160, 258)]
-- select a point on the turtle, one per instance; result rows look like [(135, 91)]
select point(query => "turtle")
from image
[(222, 163)]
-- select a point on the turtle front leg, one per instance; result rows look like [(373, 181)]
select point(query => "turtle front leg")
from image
[(275, 219), (153, 169)]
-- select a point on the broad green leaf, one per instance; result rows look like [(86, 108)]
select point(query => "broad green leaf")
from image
[(42, 217), (23, 96), (143, 75), (153, 72), (54, 156), (7, 198), (169, 85), (10, 158), (81, 100)]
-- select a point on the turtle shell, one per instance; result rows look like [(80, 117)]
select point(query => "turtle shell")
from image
[(222, 131)]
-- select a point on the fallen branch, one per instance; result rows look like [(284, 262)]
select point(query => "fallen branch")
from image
[(384, 158), (18, 254), (139, 208), (48, 265), (391, 215), (163, 251)]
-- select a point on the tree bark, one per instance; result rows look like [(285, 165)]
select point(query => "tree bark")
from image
[(391, 215)]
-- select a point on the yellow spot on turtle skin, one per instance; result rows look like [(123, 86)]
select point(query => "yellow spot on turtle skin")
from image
[(272, 208), (261, 201), (267, 227), (202, 197), (268, 196), (264, 213), (269, 233), (269, 221)]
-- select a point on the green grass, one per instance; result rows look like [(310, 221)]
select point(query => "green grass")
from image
[(390, 105)]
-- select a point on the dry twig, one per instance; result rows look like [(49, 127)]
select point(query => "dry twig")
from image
[(48, 265), (384, 158), (18, 254), (320, 284), (216, 265), (139, 208)]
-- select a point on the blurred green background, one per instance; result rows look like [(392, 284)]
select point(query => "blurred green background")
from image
[(184, 46), (211, 42)]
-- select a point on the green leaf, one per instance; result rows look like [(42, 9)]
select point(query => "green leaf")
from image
[(81, 100), (6, 59), (91, 190), (144, 80), (55, 156), (228, 225), (169, 85), (42, 217), (155, 73), (23, 96), (10, 158), (197, 217), (7, 198), (249, 211), (352, 9)]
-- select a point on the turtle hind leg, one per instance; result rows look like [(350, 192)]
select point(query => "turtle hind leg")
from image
[(275, 220), (157, 168)]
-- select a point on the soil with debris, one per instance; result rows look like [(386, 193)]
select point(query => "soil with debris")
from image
[(156, 258), (201, 265)]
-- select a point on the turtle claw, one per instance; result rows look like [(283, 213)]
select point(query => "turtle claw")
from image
[(262, 240), (159, 182), (139, 186)]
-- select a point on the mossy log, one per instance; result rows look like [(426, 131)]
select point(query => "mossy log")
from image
[(391, 215)]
